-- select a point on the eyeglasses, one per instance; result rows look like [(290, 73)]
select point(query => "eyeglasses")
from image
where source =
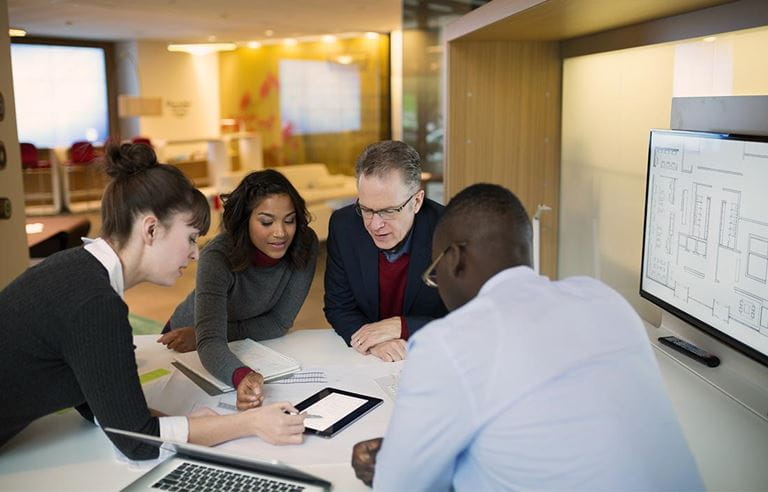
[(385, 213), (429, 277)]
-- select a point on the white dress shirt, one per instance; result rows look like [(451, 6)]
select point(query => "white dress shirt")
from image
[(171, 428), (534, 385)]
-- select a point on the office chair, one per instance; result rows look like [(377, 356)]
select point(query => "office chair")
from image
[(141, 140), (29, 157), (81, 153)]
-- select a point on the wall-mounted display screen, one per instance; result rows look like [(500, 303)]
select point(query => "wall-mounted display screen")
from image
[(319, 96), (705, 246), (60, 94)]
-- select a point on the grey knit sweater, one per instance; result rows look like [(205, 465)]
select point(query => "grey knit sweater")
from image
[(65, 341), (256, 303)]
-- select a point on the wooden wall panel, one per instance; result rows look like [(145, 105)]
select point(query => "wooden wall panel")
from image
[(504, 125)]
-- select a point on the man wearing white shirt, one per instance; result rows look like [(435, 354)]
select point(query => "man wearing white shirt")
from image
[(527, 383)]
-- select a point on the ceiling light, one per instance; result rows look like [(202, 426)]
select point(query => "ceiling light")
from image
[(290, 42), (253, 44), (710, 39), (372, 35), (269, 32), (329, 39), (211, 38), (202, 48), (17, 33)]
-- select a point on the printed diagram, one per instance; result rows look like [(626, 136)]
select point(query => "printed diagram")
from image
[(706, 248)]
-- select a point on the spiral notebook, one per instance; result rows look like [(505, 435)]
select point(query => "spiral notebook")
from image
[(270, 363)]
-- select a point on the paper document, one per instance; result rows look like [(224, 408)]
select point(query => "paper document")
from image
[(302, 377), (270, 363), (389, 385)]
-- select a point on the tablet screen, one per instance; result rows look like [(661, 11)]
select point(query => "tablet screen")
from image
[(330, 410)]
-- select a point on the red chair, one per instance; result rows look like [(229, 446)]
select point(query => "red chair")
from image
[(141, 140), (29, 158), (81, 153)]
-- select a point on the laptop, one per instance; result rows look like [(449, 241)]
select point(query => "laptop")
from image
[(201, 468)]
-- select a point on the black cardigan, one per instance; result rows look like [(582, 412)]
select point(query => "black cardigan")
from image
[(65, 341)]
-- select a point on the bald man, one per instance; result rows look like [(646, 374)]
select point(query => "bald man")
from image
[(527, 383)]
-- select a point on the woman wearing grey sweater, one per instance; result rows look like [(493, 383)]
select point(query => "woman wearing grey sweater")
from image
[(251, 280)]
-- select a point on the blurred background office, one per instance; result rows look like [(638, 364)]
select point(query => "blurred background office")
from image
[(218, 89)]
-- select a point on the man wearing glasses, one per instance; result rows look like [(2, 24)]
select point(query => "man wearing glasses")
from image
[(377, 250), (528, 384)]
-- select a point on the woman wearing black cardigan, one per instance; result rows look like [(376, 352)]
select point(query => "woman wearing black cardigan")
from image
[(65, 339)]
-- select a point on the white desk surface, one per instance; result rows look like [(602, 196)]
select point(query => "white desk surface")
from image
[(65, 452)]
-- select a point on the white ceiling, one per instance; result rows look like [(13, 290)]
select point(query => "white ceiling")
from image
[(197, 20)]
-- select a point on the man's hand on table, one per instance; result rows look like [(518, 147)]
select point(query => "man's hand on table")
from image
[(390, 351), (372, 334), (364, 459)]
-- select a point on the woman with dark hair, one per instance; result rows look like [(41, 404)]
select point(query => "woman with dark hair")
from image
[(251, 280), (64, 331)]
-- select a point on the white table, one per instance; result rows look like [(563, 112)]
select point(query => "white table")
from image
[(65, 452)]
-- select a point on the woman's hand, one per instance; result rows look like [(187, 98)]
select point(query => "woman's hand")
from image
[(277, 423), (250, 391), (180, 339)]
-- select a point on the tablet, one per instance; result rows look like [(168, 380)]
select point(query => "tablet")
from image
[(330, 410)]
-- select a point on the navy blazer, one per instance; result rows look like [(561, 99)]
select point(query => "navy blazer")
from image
[(352, 273)]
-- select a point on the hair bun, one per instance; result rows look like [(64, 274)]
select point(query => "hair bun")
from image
[(121, 161)]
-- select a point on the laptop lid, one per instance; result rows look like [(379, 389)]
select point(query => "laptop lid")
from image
[(204, 453)]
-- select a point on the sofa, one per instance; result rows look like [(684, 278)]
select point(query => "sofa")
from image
[(323, 192)]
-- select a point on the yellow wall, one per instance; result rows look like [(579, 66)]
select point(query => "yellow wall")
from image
[(249, 85), (610, 102)]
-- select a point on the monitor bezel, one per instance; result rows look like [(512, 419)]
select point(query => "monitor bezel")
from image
[(690, 319)]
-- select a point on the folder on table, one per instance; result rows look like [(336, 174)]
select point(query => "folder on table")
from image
[(269, 362)]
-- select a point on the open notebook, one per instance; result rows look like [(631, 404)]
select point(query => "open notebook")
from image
[(270, 363)]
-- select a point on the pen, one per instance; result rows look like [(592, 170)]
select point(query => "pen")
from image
[(306, 415)]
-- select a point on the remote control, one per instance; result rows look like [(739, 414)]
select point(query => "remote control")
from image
[(691, 351)]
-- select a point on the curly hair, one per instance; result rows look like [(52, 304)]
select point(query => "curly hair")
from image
[(238, 206)]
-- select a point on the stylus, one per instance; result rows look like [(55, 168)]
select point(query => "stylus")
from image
[(306, 415)]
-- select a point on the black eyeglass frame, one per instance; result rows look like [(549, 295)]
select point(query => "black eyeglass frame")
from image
[(367, 213), (429, 275)]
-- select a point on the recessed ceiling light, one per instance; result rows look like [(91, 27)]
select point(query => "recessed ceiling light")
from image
[(16, 33), (202, 48), (269, 32), (710, 39), (253, 44), (211, 38)]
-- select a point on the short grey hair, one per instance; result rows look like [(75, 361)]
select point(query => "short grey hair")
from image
[(381, 157)]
